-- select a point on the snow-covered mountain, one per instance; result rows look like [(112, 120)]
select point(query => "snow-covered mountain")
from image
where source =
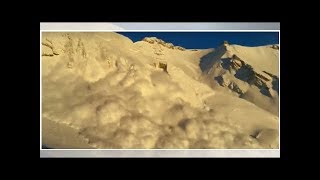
[(101, 90), (252, 73)]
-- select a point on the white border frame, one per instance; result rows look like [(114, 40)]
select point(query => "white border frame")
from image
[(152, 152)]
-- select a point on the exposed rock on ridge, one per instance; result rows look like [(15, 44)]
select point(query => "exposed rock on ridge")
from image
[(153, 40)]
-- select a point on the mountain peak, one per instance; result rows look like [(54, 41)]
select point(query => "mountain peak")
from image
[(225, 43), (155, 40)]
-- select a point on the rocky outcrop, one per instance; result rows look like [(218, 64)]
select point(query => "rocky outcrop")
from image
[(179, 48), (48, 49), (234, 87), (154, 40), (161, 65), (237, 63), (229, 84), (275, 47), (246, 73)]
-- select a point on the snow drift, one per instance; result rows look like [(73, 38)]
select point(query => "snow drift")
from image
[(101, 90)]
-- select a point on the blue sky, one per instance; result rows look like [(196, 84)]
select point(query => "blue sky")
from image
[(204, 40)]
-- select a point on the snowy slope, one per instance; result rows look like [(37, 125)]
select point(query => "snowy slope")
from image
[(252, 73), (114, 93)]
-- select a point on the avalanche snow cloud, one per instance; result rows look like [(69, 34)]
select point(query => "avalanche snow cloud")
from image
[(101, 90)]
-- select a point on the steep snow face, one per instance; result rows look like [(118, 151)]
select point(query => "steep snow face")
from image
[(101, 90), (249, 72)]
